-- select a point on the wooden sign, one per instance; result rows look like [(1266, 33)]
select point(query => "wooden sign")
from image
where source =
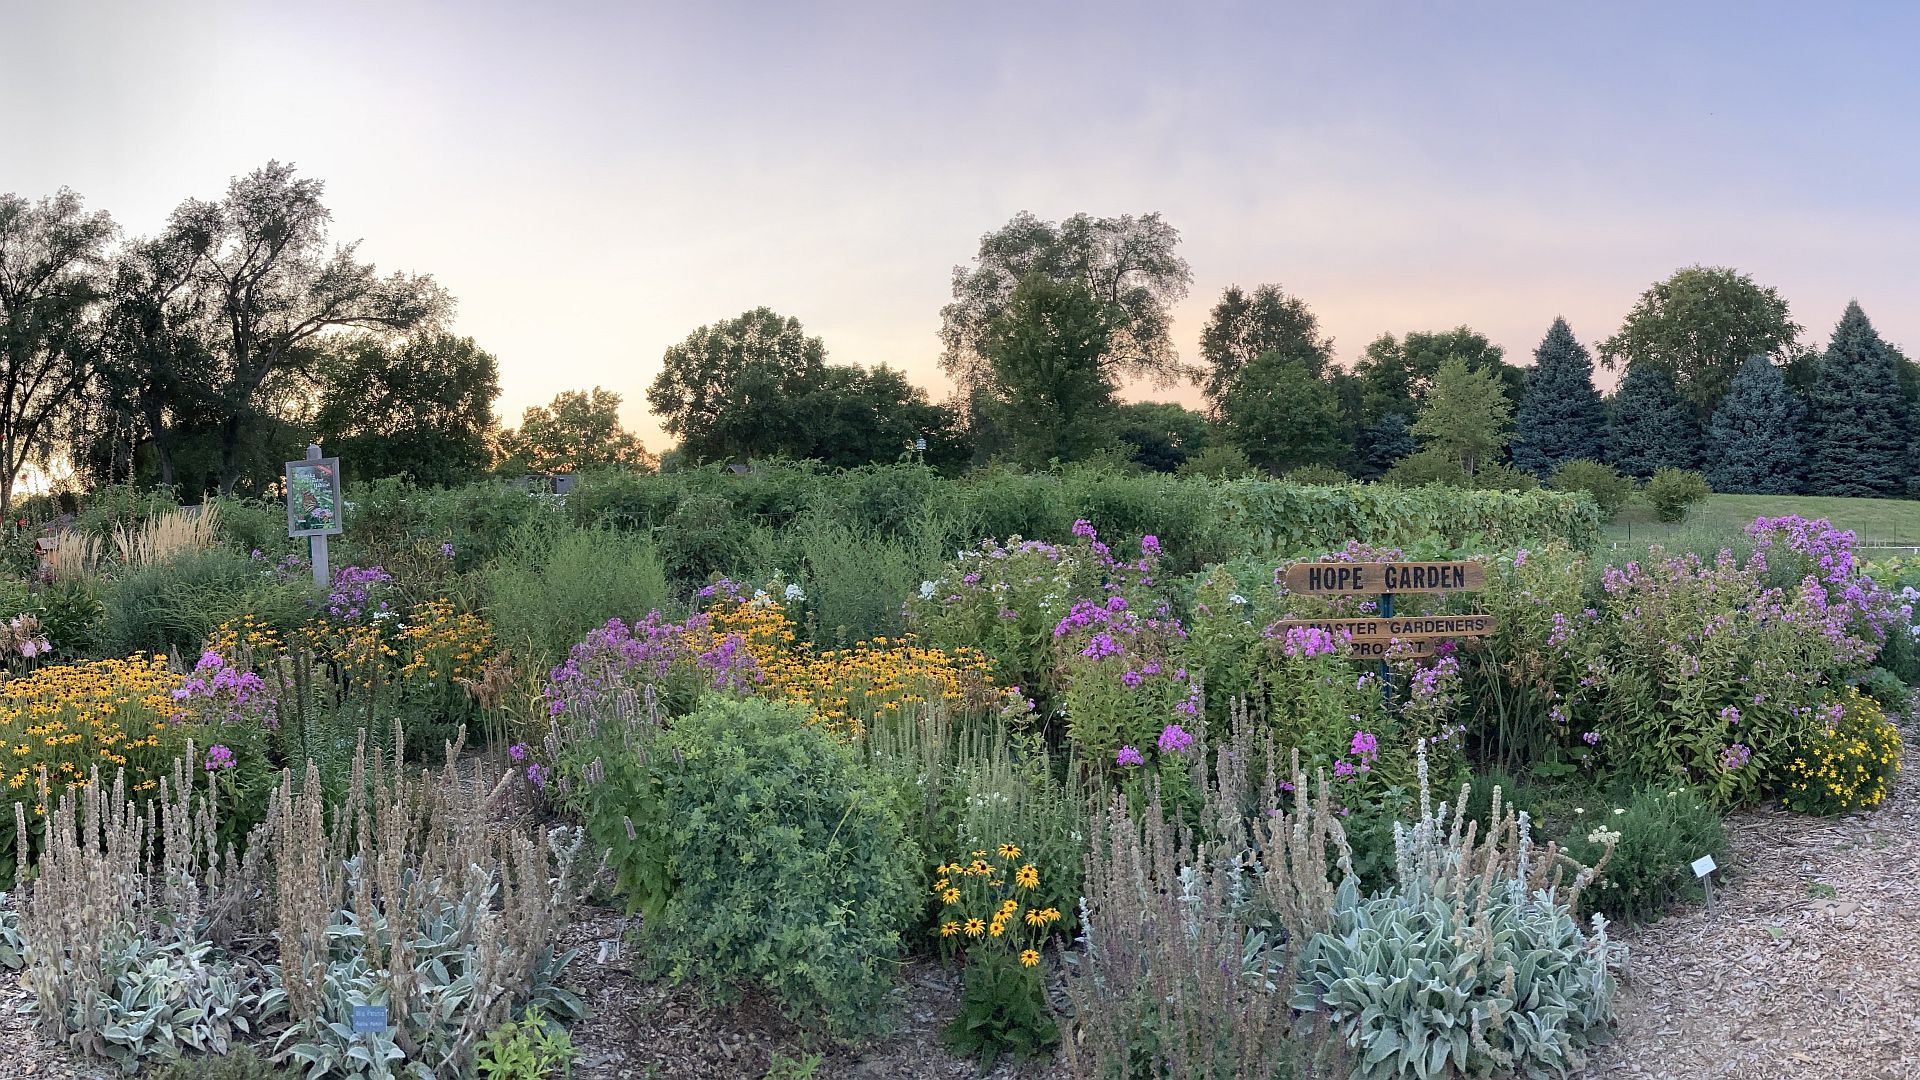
[(1388, 628), (1349, 578)]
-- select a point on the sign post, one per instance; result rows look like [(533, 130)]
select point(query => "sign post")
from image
[(313, 506), (1376, 636)]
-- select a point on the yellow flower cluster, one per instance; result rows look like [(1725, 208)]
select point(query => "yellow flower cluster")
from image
[(245, 635), (981, 904), (364, 653), (67, 718), (1848, 765), (849, 689), (442, 646)]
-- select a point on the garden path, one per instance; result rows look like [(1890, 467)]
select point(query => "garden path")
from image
[(1807, 967)]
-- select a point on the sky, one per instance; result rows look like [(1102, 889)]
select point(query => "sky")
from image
[(592, 181)]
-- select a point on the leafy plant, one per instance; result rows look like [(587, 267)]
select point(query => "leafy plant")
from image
[(791, 868), (530, 1048), (1672, 492), (1610, 490), (238, 1063), (1659, 835), (1849, 763), (1003, 1008)]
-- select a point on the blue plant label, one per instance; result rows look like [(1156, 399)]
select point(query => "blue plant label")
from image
[(1703, 866), (369, 1018)]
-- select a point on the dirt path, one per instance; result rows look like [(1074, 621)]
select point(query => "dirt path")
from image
[(1808, 967)]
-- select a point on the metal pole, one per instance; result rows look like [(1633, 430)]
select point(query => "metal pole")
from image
[(1386, 676), (317, 545)]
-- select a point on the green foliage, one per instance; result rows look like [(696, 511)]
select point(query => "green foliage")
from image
[(1661, 832), (530, 1048), (1672, 492), (555, 584), (1465, 416), (740, 388), (1283, 414), (1055, 398), (1417, 987), (1241, 328), (1316, 474), (1396, 374), (1164, 436), (1849, 762), (1858, 416), (1699, 326), (783, 1067), (1652, 426), (1003, 1009), (858, 416), (854, 580), (167, 997), (171, 606), (1561, 417), (239, 1063), (1753, 441), (791, 869), (1219, 462), (1382, 444), (1603, 483), (579, 429), (420, 408)]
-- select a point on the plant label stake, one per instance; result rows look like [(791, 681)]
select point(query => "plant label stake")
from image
[(313, 506), (1703, 868), (368, 1019)]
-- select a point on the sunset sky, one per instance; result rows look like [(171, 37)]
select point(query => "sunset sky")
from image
[(594, 180)]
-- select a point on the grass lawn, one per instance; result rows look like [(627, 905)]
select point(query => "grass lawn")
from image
[(1722, 517)]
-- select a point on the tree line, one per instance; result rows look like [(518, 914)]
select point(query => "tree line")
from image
[(205, 355)]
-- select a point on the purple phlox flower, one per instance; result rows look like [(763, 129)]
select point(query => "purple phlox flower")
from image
[(1175, 740), (219, 757), (1132, 679), (1734, 756), (1083, 529), (1591, 738), (1150, 545), (537, 775), (518, 751), (1127, 755)]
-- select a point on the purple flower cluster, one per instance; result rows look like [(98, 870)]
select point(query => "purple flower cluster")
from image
[(618, 657), (1825, 555), (217, 692), (1127, 755), (1175, 740), (218, 757), (359, 592), (1307, 642), (1734, 756), (1364, 750)]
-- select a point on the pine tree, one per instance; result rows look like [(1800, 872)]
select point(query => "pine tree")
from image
[(1383, 444), (1753, 442), (1561, 417), (1652, 427), (1857, 415)]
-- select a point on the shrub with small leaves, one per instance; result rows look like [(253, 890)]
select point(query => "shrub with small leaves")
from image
[(1849, 763), (1673, 492)]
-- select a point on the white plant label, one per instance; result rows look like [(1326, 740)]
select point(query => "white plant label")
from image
[(1703, 866)]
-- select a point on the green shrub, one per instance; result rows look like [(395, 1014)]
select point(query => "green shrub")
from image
[(1219, 463), (854, 582), (1425, 467), (1660, 834), (171, 606), (1610, 490), (1316, 474), (791, 869), (554, 584), (1673, 492)]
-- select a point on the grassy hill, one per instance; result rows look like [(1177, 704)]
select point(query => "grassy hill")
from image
[(1722, 517)]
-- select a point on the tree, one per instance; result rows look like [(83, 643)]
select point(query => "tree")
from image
[(1242, 327), (1046, 350), (1283, 415), (1466, 415), (733, 390), (52, 260), (1700, 326), (1858, 415), (1163, 435), (1561, 417), (858, 416), (579, 430), (1753, 440), (274, 288), (1651, 426), (1380, 445), (1126, 264), (1395, 374), (420, 408)]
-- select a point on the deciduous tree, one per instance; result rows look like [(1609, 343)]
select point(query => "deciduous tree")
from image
[(1283, 415), (1466, 415), (735, 389), (1244, 326), (1047, 350), (578, 430), (420, 408), (1699, 326)]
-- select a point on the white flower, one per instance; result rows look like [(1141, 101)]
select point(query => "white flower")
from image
[(1617, 811), (1603, 836), (1236, 598), (926, 590), (795, 594), (1579, 809)]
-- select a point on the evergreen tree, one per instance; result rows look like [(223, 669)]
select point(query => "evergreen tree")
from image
[(1858, 415), (1652, 427), (1382, 445), (1561, 417), (1753, 442)]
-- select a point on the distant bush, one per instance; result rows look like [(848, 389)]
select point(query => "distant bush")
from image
[(1317, 474), (1673, 492), (1220, 463), (1609, 489), (554, 584)]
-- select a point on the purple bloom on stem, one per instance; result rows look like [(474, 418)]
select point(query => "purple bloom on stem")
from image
[(1591, 738), (518, 751), (1150, 545), (537, 776), (219, 757), (1175, 740), (1128, 756)]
